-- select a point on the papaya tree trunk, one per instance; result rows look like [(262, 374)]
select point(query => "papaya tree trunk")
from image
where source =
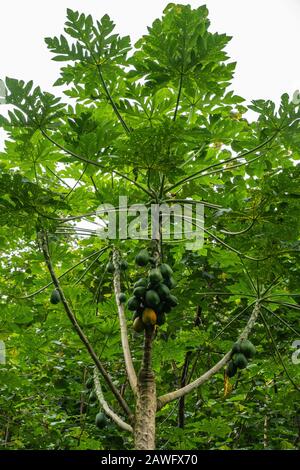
[(144, 430)]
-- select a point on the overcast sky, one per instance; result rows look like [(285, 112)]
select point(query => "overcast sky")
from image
[(265, 44)]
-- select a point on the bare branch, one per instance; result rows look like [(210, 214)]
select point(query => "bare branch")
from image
[(123, 326), (167, 398), (106, 407)]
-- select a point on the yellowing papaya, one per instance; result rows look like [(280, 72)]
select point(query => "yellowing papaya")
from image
[(149, 317), (138, 325)]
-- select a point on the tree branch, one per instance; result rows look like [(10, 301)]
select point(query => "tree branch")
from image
[(79, 331), (106, 407), (167, 398), (123, 326)]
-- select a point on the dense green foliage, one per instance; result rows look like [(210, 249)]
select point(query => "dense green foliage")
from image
[(154, 121)]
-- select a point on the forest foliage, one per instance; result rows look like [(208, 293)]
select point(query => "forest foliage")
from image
[(157, 121)]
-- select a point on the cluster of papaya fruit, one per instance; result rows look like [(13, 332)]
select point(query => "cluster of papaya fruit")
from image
[(152, 297), (240, 353)]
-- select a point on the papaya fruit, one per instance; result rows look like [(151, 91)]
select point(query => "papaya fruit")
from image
[(141, 282), (100, 420), (123, 265), (55, 297), (172, 300), (240, 361), (170, 282), (122, 298), (155, 276), (133, 303), (163, 291), (149, 316), (138, 325), (152, 299), (247, 348), (139, 292), (166, 270), (142, 258), (236, 348), (110, 267), (231, 369)]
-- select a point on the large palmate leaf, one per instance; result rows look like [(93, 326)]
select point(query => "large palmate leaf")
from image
[(32, 108)]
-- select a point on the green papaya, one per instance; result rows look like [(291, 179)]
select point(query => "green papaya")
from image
[(163, 291), (139, 292), (172, 300), (123, 265), (142, 258), (55, 297), (166, 270), (236, 348), (231, 369), (122, 298), (170, 282), (155, 276), (152, 299), (100, 420), (247, 348), (141, 282), (138, 325), (110, 267), (133, 304), (240, 361)]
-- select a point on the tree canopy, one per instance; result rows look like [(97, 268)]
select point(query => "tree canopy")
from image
[(156, 122)]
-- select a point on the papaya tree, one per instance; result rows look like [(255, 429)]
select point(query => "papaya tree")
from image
[(158, 124)]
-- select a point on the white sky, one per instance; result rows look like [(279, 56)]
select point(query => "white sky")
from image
[(265, 44)]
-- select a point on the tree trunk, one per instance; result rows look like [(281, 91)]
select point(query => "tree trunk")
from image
[(144, 430)]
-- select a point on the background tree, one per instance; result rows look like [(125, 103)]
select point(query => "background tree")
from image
[(156, 123)]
